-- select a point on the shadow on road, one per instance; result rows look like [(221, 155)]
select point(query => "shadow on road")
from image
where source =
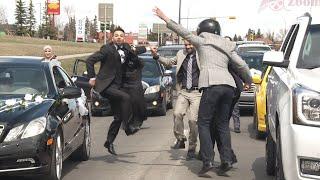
[(258, 167), (252, 133)]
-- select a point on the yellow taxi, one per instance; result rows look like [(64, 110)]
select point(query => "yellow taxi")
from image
[(259, 112)]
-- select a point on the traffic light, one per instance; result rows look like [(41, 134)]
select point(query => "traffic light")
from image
[(102, 24)]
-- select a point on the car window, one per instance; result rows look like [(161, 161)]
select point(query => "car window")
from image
[(253, 48), (22, 80), (310, 54), (254, 61), (61, 78), (150, 69)]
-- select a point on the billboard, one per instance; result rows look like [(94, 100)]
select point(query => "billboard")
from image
[(105, 12), (53, 7), (160, 28), (80, 30), (143, 32)]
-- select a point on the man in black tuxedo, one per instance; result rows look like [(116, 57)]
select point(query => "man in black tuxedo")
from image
[(108, 82)]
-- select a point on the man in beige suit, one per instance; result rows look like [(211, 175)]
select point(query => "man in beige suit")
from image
[(217, 86), (188, 99)]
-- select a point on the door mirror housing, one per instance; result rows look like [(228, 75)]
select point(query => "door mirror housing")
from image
[(275, 58), (71, 92)]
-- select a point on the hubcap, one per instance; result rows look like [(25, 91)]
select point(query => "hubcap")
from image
[(88, 138), (58, 157)]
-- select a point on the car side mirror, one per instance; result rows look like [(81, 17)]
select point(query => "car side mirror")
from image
[(167, 72), (70, 92), (275, 58), (256, 79)]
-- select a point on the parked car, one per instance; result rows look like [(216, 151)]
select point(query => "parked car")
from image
[(293, 104), (242, 48), (260, 97), (157, 83), (254, 61), (42, 118)]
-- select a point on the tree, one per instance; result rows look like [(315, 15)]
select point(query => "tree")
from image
[(152, 36), (270, 36), (240, 38), (20, 14), (259, 35), (281, 34), (93, 27), (31, 20), (235, 38), (3, 16)]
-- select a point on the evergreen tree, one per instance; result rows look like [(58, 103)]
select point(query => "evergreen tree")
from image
[(235, 38), (93, 28), (31, 20), (259, 35), (20, 14), (240, 38), (87, 27)]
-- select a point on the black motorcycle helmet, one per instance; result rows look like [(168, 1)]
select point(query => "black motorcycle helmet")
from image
[(210, 26)]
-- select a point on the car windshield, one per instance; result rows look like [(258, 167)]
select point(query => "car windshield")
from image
[(310, 53), (253, 48), (150, 69), (22, 80), (254, 61)]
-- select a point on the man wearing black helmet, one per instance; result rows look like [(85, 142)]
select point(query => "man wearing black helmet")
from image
[(216, 84)]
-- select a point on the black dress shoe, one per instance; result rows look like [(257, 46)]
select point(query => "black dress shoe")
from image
[(205, 168), (234, 159), (237, 130), (131, 130), (178, 145), (191, 155), (110, 148), (223, 168)]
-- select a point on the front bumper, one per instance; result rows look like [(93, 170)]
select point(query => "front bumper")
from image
[(153, 101), (26, 156), (298, 143)]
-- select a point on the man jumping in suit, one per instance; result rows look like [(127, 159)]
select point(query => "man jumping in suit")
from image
[(188, 95), (108, 82)]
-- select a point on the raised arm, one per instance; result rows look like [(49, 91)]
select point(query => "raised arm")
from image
[(168, 62), (241, 68), (180, 30)]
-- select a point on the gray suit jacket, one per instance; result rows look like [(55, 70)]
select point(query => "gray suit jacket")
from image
[(177, 60), (214, 62)]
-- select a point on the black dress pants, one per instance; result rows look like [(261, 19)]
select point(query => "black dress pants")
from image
[(121, 106), (214, 109)]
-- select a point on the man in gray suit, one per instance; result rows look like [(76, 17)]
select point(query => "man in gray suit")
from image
[(217, 86), (188, 95)]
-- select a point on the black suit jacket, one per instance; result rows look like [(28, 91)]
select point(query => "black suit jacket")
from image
[(110, 66)]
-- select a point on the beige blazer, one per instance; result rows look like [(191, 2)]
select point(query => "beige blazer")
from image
[(177, 60)]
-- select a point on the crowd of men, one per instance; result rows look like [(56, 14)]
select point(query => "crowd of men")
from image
[(209, 81)]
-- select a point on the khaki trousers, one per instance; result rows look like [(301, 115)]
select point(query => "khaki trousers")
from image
[(187, 101)]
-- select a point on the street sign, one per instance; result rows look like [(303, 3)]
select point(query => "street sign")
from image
[(143, 32), (80, 30), (160, 28), (105, 11), (53, 7)]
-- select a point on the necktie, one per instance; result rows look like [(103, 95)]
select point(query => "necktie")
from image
[(189, 73), (121, 53)]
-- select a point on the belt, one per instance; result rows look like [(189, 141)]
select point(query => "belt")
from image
[(191, 89)]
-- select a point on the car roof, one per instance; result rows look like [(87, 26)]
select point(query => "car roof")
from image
[(254, 45), (249, 42), (31, 60), (251, 53), (176, 46)]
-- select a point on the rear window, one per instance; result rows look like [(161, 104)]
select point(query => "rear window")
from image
[(253, 48)]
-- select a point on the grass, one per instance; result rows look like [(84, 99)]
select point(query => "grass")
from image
[(26, 46)]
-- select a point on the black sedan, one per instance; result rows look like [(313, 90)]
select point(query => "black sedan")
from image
[(43, 118)]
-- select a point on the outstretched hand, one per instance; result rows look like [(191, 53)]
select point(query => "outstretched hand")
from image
[(160, 14)]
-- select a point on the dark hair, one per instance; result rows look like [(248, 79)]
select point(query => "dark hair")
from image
[(210, 26), (118, 28)]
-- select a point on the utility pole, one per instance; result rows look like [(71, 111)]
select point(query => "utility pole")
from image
[(105, 24), (179, 20)]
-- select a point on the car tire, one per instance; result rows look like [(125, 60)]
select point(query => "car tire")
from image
[(279, 166), (270, 155), (83, 152), (163, 109), (56, 159), (258, 134)]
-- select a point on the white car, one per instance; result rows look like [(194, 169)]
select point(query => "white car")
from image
[(253, 47), (293, 104)]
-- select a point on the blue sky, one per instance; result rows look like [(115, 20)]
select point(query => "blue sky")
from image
[(129, 14)]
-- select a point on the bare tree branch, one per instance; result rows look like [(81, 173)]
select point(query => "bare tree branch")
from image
[(3, 17)]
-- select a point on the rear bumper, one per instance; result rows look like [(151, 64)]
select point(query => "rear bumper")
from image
[(246, 100)]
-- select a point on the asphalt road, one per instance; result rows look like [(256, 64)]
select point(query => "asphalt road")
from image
[(147, 155)]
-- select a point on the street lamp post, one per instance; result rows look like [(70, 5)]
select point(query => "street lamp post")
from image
[(179, 20)]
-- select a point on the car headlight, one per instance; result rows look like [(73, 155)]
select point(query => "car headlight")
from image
[(152, 89), (35, 127), (306, 106)]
